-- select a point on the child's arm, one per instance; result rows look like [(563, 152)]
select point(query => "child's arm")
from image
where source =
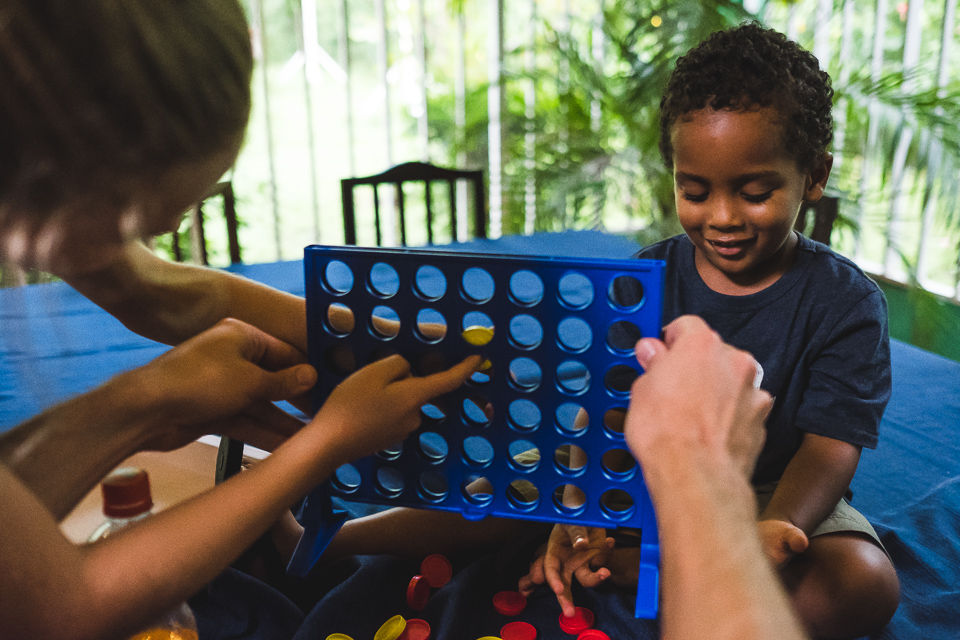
[(52, 588), (813, 483), (171, 302)]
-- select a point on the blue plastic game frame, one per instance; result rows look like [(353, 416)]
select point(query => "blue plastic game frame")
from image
[(561, 346)]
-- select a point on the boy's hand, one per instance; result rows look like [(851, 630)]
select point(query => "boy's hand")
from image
[(572, 551), (781, 541), (379, 405)]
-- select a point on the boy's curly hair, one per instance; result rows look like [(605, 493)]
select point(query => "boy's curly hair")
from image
[(752, 66)]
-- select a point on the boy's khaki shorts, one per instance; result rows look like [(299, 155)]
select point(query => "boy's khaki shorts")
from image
[(843, 518)]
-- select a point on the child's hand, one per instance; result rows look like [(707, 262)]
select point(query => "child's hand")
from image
[(572, 551), (781, 541), (379, 405)]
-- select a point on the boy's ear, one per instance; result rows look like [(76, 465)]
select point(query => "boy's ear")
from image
[(816, 181)]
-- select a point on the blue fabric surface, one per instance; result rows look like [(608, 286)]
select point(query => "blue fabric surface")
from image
[(54, 344)]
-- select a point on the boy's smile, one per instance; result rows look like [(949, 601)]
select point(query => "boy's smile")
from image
[(738, 195)]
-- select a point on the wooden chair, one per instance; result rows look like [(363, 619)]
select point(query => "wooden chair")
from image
[(414, 172), (825, 211), (198, 240)]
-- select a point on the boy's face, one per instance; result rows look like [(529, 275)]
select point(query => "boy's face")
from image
[(738, 195)]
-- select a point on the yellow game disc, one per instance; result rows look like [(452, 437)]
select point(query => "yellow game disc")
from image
[(391, 629), (478, 335), (489, 638), (338, 636)]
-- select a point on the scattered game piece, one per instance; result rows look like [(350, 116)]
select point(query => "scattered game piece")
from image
[(338, 636), (489, 638), (416, 629), (418, 592), (580, 621), (391, 629), (518, 630), (437, 570), (593, 634), (509, 603)]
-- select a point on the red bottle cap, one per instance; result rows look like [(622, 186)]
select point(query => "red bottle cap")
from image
[(416, 629), (593, 634), (126, 493), (580, 621), (437, 570), (518, 630), (509, 603), (418, 592)]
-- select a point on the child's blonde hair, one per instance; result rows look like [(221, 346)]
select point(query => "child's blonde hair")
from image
[(102, 89)]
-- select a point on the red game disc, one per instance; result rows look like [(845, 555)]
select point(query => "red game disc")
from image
[(518, 631), (593, 634), (580, 621), (437, 570), (418, 592), (416, 629), (509, 603)]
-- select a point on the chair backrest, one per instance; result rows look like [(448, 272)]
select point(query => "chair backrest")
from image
[(198, 240), (825, 211), (414, 172)]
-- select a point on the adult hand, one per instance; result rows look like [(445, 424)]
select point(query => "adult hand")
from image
[(379, 405), (698, 397), (224, 381), (781, 541), (571, 552)]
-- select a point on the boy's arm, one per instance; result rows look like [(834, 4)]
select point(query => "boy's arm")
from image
[(171, 302), (813, 483)]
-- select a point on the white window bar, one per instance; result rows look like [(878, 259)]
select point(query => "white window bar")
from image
[(530, 137), (495, 104)]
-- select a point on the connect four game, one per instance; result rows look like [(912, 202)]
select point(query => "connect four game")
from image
[(537, 432)]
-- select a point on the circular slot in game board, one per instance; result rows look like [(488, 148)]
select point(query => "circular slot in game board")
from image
[(619, 378), (380, 353), (433, 413), (346, 478), (570, 459), (388, 481), (477, 328), (477, 490), (340, 320), (430, 283), (525, 374), (573, 377), (431, 325), (575, 290), (477, 410), (384, 280), (477, 451), (477, 285), (524, 455), (430, 362), (625, 293), (617, 504), (525, 331), (618, 464), (392, 452), (433, 486), (613, 421), (340, 360), (569, 499), (484, 374), (526, 288), (622, 336), (524, 415), (384, 323), (432, 447), (572, 419), (338, 277), (574, 334), (523, 495)]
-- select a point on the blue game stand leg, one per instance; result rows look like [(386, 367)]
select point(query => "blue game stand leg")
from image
[(321, 521), (648, 584)]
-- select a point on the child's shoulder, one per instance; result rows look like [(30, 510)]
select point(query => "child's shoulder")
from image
[(827, 268)]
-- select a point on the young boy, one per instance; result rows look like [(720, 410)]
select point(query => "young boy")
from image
[(745, 126)]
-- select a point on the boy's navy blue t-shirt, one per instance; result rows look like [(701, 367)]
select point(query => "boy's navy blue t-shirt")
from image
[(819, 332)]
